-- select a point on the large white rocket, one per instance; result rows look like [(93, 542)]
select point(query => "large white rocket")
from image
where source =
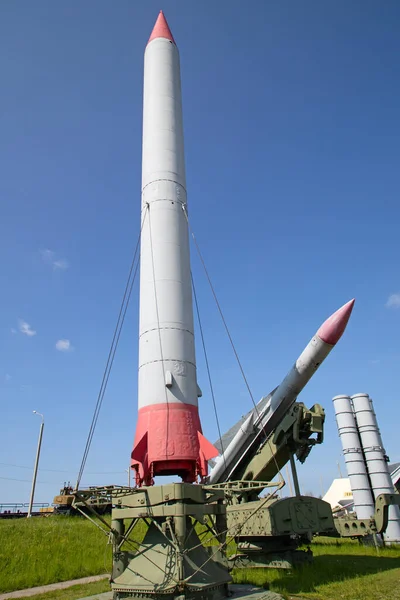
[(168, 437)]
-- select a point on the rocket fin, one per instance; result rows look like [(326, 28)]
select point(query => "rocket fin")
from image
[(140, 450), (206, 447), (139, 462), (206, 451)]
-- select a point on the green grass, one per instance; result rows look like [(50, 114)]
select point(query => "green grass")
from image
[(341, 570), (39, 551)]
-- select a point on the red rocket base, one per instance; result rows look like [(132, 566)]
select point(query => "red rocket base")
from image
[(169, 441)]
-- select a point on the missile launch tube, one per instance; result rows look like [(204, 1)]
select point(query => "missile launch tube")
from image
[(354, 458), (376, 462)]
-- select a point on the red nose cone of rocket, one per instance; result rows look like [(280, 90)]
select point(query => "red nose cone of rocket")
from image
[(161, 29), (332, 330)]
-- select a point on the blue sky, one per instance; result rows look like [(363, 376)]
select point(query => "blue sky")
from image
[(291, 116)]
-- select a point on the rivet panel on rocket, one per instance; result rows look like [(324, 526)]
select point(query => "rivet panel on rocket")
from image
[(168, 438)]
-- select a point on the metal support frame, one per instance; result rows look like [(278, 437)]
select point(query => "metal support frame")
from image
[(358, 528), (294, 475), (170, 561)]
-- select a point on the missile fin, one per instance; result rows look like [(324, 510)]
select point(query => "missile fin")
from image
[(206, 451), (206, 447), (139, 451)]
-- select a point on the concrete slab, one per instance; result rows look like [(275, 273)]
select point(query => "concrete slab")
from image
[(252, 592), (105, 596), (244, 592)]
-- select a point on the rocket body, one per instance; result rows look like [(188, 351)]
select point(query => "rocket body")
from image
[(168, 434)]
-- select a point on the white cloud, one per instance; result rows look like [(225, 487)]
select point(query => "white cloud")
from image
[(64, 346), (25, 328), (13, 331), (49, 257), (7, 377), (60, 265), (393, 301)]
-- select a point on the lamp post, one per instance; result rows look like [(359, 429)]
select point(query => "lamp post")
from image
[(35, 470), (129, 476)]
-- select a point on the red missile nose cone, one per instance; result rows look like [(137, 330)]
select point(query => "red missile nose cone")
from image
[(161, 29), (332, 330)]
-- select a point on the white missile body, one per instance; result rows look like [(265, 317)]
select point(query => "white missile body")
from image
[(271, 410), (166, 332)]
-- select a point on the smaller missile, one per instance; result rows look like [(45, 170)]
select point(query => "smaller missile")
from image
[(270, 410)]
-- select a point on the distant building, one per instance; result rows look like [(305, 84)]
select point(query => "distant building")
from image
[(340, 496), (395, 475)]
